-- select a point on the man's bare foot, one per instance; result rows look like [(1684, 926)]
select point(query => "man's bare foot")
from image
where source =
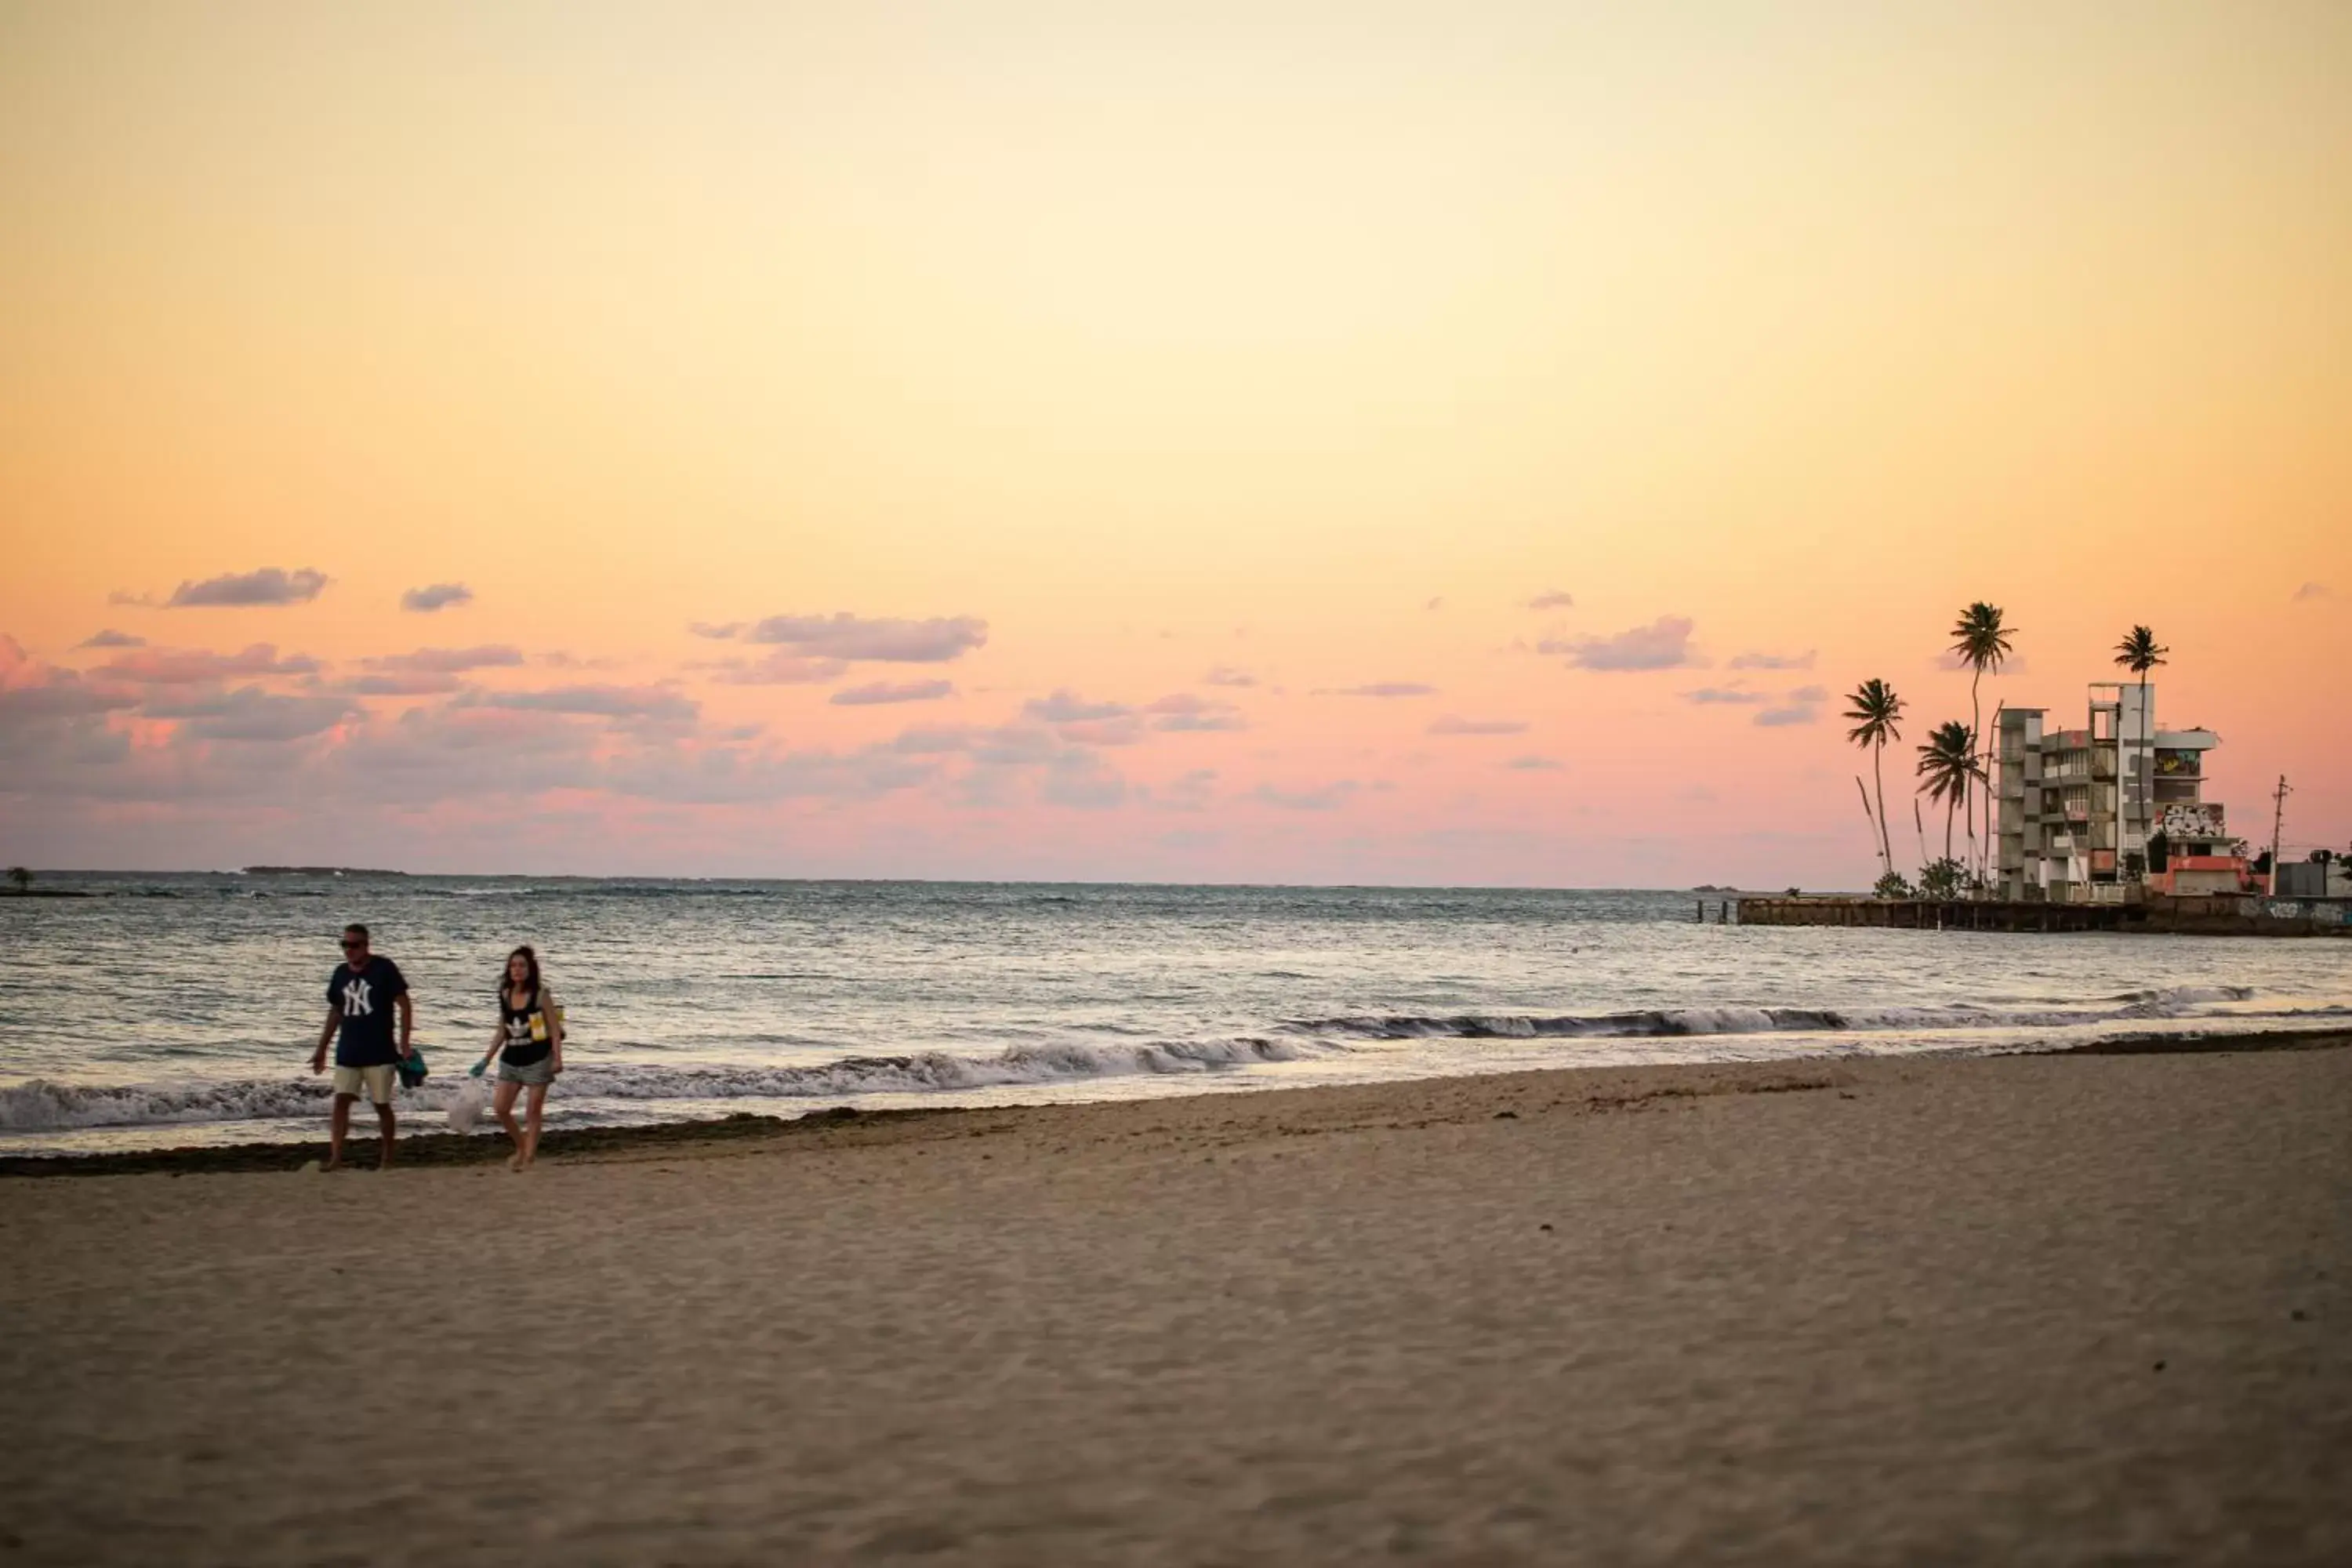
[(514, 1161), (335, 1164)]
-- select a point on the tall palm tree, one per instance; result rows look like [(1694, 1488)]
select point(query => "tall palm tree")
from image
[(1949, 764), (1982, 642), (2140, 652), (1877, 713)]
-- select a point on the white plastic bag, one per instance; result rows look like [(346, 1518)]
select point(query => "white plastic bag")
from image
[(467, 1108)]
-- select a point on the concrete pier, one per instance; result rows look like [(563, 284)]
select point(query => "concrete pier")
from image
[(2230, 915)]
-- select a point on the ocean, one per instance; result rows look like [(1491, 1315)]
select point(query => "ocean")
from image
[(180, 1009)]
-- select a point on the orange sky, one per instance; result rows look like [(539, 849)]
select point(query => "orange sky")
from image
[(1077, 353)]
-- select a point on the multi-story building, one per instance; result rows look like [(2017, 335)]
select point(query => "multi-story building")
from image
[(2089, 815)]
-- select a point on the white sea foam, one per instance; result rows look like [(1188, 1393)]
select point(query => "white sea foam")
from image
[(41, 1106), (2173, 1002)]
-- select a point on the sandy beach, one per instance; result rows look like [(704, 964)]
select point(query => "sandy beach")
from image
[(2020, 1309)]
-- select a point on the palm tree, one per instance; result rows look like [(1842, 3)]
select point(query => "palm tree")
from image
[(1949, 763), (1877, 713), (2140, 652), (1982, 642)]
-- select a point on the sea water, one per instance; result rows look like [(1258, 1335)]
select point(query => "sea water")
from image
[(183, 1009)]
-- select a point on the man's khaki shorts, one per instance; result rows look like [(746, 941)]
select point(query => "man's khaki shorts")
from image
[(377, 1081)]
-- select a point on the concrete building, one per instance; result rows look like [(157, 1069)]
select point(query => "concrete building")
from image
[(2089, 815)]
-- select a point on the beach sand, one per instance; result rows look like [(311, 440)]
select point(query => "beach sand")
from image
[(2020, 1309)]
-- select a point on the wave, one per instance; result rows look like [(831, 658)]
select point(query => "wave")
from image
[(42, 1106), (39, 1105), (2176, 1001)]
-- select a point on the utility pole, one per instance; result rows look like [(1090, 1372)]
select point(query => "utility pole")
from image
[(2278, 822)]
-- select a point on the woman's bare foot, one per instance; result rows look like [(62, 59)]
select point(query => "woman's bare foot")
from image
[(515, 1161)]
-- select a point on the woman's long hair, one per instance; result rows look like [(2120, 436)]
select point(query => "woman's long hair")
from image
[(506, 972)]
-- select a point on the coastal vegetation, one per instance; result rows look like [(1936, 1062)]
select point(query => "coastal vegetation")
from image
[(1980, 639), (1948, 771), (2140, 652), (1877, 713), (1954, 766)]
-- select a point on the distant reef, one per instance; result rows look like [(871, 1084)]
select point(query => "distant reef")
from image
[(318, 871)]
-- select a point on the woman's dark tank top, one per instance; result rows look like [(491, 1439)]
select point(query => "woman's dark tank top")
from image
[(521, 1050)]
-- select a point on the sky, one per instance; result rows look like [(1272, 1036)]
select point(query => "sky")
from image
[(1454, 443)]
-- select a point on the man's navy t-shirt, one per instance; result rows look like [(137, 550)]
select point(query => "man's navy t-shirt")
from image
[(365, 999)]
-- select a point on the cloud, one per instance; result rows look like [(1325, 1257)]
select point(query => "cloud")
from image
[(718, 776), (1453, 725), (716, 630), (783, 667), (411, 684), (448, 660), (1183, 711), (1380, 689), (1436, 603), (1810, 694), (270, 586), (33, 693), (1082, 780), (1067, 707), (846, 636), (1773, 660), (1554, 600), (2310, 591), (1715, 695), (428, 671), (190, 666), (249, 713), (1124, 732), (1664, 644), (467, 752), (931, 740), (1794, 713), (1534, 765), (1226, 675), (651, 704), (1189, 791), (1322, 797), (435, 596), (883, 691), (111, 638)]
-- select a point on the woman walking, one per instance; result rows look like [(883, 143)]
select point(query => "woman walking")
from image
[(528, 1049)]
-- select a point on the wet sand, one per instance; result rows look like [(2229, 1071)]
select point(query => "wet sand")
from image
[(2035, 1310)]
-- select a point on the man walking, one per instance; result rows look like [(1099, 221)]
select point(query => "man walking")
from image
[(361, 996)]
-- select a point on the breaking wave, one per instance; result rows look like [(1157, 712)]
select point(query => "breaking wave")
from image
[(42, 1106), (2175, 1002)]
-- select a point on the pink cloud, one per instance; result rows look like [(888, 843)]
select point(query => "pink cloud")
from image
[(190, 667)]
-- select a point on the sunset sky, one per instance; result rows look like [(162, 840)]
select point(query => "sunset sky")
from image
[(1434, 442)]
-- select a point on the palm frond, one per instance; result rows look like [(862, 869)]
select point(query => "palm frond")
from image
[(2140, 652), (1979, 638)]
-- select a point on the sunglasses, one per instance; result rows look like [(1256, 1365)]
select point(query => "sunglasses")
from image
[(349, 944)]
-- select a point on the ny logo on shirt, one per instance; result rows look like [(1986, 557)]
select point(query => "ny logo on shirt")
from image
[(355, 999)]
